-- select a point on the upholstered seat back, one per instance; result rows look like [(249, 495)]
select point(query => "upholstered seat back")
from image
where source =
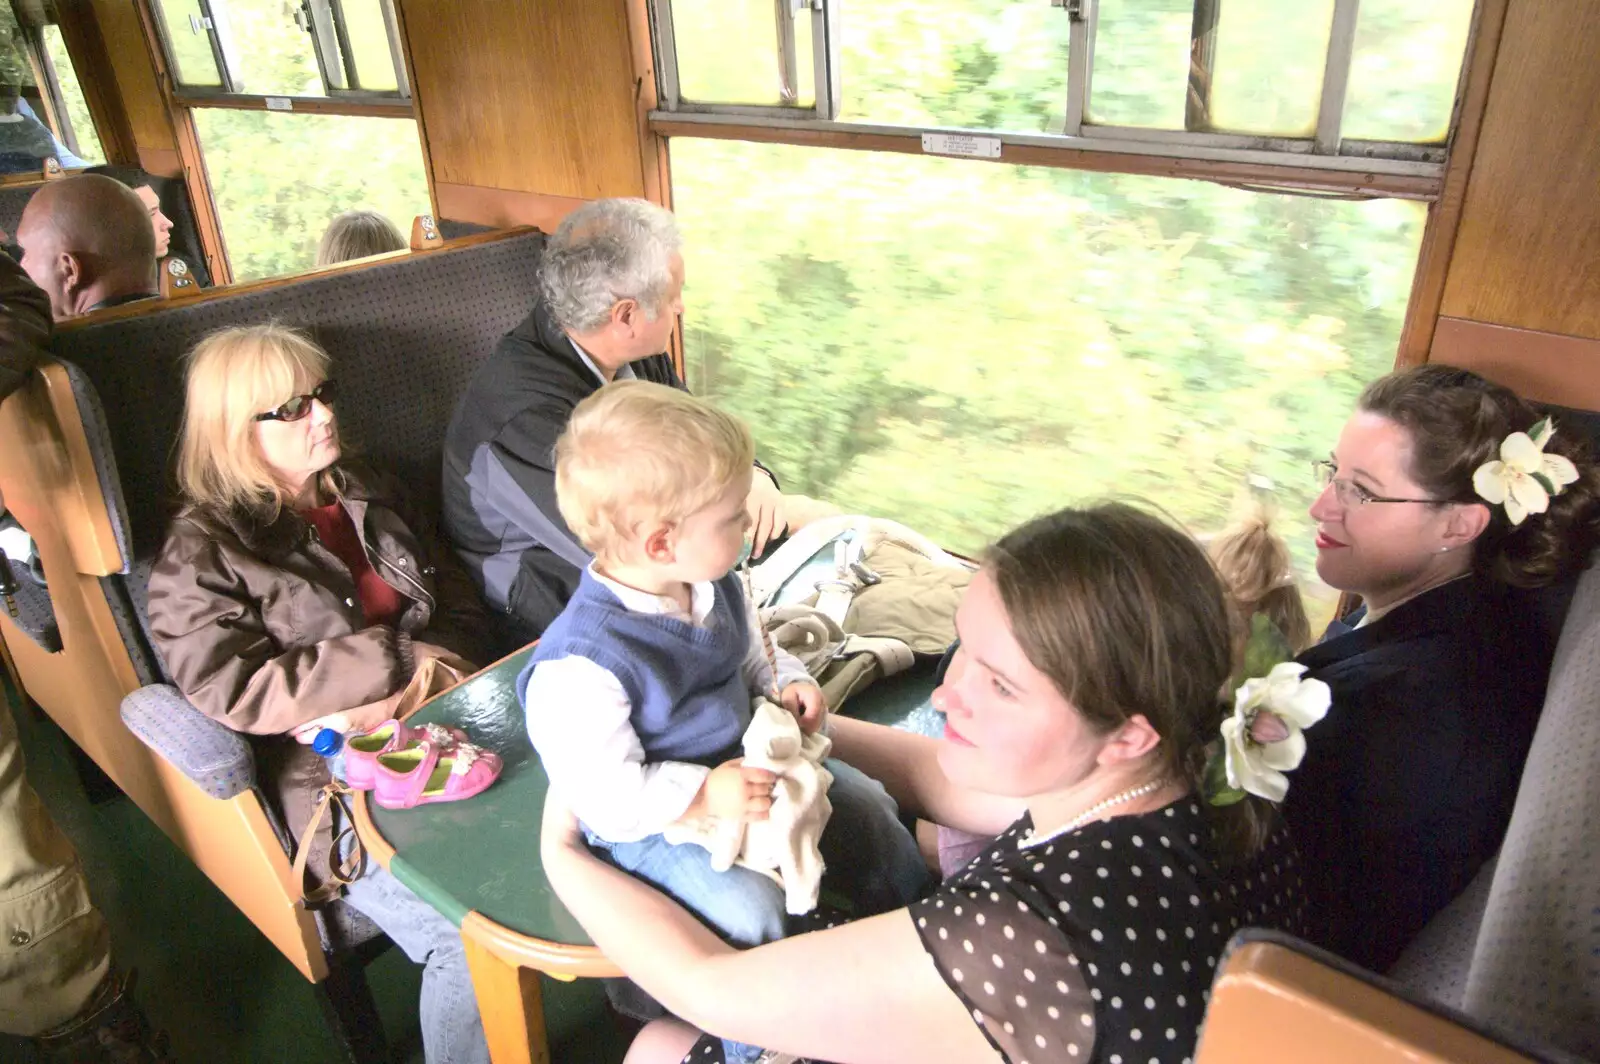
[(1536, 965)]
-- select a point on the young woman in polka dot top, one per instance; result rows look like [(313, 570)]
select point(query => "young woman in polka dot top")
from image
[(1094, 647)]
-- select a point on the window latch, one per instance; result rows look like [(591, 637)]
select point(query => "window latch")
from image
[(1076, 9), (199, 23)]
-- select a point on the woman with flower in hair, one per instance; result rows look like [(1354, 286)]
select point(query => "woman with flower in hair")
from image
[(1462, 518), (1082, 712)]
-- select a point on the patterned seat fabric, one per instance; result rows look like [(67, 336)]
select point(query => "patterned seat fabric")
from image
[(1536, 966)]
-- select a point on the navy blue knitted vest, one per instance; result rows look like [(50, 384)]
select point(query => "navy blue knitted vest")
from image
[(686, 683)]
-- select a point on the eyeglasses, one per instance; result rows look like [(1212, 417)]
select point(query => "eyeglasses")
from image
[(300, 405), (1351, 495)]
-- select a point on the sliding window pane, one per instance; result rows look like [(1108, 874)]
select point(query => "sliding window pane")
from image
[(728, 53), (77, 117), (961, 346), (1268, 66), (279, 179), (978, 64), (1141, 63), (369, 40), (195, 63), (1403, 76), (268, 51)]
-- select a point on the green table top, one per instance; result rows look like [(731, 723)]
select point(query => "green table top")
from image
[(482, 854)]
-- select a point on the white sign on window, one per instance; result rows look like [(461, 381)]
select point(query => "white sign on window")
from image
[(961, 144)]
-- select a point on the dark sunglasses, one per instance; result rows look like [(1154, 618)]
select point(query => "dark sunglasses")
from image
[(300, 405)]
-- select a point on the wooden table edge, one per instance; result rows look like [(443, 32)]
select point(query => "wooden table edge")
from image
[(512, 947)]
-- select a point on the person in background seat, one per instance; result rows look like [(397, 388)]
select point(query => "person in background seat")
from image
[(611, 285), (135, 179), (1439, 677), (88, 242), (357, 234)]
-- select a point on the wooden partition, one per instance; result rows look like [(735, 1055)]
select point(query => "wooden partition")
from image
[(527, 109), (54, 494), (1522, 297)]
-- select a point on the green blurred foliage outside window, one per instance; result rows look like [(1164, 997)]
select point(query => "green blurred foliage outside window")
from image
[(962, 345), (279, 179), (89, 147)]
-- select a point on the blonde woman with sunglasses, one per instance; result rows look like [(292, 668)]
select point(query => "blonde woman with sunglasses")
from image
[(295, 592)]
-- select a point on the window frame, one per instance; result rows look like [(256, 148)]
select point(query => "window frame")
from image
[(1325, 160), (336, 64), (824, 63)]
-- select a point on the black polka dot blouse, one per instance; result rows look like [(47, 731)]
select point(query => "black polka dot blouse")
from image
[(1099, 944)]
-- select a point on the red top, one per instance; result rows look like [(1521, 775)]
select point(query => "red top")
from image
[(380, 603)]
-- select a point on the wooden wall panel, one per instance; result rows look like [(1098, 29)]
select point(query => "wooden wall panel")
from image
[(1528, 250), (1547, 367), (122, 29), (525, 98)]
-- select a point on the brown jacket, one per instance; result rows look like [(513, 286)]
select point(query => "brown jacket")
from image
[(261, 628)]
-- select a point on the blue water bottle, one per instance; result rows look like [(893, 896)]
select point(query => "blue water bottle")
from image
[(330, 744)]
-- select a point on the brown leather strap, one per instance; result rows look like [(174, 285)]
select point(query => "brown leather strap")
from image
[(342, 871)]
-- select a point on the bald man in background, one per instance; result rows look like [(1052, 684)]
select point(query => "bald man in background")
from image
[(87, 241)]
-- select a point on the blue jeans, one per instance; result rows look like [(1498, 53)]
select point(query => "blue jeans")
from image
[(452, 1030), (872, 861)]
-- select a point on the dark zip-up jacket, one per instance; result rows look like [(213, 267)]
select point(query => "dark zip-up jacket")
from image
[(499, 471)]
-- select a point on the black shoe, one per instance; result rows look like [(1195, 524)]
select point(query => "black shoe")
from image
[(112, 1029)]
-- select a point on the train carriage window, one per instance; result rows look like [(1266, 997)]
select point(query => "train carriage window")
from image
[(77, 124), (279, 179), (309, 49), (1309, 78), (35, 122), (1402, 80), (960, 346)]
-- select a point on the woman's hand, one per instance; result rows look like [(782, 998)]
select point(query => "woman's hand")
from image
[(765, 504), (807, 702)]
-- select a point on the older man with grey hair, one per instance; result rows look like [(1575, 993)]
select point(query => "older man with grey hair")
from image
[(611, 289)]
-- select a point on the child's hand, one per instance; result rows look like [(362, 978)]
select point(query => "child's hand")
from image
[(806, 701), (734, 792)]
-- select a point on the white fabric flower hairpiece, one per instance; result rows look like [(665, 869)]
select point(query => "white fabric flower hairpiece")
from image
[(1525, 478), (1264, 737)]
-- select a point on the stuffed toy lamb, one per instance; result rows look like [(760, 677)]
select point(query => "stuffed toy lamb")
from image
[(784, 846)]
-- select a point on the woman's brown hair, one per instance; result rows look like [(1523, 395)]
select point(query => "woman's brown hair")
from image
[(1456, 421), (1125, 614)]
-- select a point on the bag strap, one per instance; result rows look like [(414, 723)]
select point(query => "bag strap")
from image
[(342, 871)]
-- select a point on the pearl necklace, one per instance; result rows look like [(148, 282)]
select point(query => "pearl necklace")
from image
[(1090, 813)]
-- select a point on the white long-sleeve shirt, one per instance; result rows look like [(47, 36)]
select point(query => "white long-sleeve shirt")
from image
[(580, 720)]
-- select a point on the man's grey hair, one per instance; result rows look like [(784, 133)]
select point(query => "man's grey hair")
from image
[(606, 251)]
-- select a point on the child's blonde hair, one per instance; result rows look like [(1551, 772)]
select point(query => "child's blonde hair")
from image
[(1254, 564), (638, 453)]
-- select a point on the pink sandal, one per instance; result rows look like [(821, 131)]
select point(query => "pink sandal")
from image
[(422, 774), (361, 751)]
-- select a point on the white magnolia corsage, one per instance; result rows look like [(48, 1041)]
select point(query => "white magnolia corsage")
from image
[(1525, 478), (1264, 736)]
